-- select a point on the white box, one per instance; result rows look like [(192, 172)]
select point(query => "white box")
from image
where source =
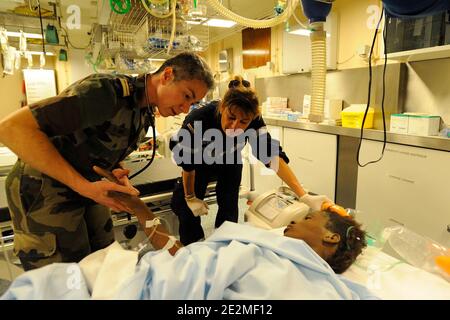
[(399, 123), (306, 106), (423, 125), (332, 109)]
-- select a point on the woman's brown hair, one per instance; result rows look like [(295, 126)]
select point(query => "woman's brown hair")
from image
[(241, 95)]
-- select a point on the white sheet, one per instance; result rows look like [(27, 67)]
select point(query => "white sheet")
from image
[(106, 270), (390, 278)]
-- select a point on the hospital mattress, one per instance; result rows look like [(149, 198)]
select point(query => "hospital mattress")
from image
[(390, 278)]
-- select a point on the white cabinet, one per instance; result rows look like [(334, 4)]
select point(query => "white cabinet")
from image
[(312, 158), (409, 185), (264, 179)]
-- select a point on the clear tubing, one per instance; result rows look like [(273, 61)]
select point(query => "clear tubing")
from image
[(318, 72), (250, 23), (174, 26), (157, 15)]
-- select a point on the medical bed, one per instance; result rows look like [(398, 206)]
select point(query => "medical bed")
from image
[(391, 278), (379, 267)]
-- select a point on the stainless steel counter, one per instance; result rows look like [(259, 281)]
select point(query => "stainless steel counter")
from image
[(437, 143)]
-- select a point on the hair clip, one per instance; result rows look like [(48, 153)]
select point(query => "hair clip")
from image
[(347, 234), (236, 83)]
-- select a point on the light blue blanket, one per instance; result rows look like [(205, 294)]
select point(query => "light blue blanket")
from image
[(236, 262)]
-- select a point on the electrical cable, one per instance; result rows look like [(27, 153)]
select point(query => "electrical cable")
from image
[(369, 93), (304, 26), (346, 60), (71, 44), (152, 124), (42, 28)]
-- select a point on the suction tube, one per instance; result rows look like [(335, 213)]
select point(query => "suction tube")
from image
[(250, 23), (318, 72)]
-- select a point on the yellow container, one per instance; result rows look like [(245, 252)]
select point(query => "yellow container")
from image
[(352, 116)]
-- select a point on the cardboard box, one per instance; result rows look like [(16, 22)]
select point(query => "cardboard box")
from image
[(399, 123), (353, 115), (331, 109), (423, 125)]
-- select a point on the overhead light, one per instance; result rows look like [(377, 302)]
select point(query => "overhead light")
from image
[(156, 59), (220, 23), (194, 22), (255, 52), (28, 35), (303, 32), (38, 53)]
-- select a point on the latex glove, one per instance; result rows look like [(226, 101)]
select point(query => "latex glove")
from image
[(197, 206), (314, 202)]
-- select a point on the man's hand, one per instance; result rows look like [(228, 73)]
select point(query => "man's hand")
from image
[(197, 206), (122, 176), (314, 202), (98, 191)]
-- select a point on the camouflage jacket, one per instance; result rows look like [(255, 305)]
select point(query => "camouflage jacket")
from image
[(95, 121)]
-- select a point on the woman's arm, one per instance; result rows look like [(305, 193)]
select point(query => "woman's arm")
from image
[(197, 206), (188, 182), (285, 173), (21, 133)]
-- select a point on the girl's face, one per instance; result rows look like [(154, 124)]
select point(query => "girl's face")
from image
[(234, 120), (313, 230)]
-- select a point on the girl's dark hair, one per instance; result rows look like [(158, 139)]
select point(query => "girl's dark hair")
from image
[(242, 97), (189, 66), (353, 241)]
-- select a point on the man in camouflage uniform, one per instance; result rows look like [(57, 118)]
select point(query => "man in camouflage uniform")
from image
[(58, 204)]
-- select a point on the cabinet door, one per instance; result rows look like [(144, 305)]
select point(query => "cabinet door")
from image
[(408, 186), (312, 158), (264, 179)]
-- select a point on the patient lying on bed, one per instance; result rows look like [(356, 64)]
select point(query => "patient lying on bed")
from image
[(235, 262)]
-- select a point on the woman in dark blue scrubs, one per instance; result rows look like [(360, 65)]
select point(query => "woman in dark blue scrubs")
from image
[(208, 148)]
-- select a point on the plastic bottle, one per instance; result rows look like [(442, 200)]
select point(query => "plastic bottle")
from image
[(419, 251)]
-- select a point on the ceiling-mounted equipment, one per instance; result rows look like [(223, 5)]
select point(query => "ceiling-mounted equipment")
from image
[(62, 55), (140, 37), (250, 23), (317, 12), (120, 6), (51, 35)]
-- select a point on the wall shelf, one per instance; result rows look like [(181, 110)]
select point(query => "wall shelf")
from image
[(437, 52)]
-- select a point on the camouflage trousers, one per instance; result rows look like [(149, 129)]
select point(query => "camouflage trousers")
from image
[(51, 222)]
